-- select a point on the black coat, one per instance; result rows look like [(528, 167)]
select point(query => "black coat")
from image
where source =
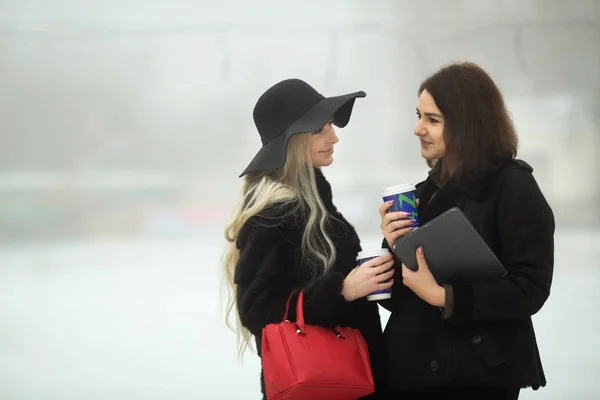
[(488, 338), (271, 267)]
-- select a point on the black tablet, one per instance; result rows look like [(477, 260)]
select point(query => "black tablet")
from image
[(453, 249)]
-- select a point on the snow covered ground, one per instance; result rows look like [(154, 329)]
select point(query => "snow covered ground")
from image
[(142, 319)]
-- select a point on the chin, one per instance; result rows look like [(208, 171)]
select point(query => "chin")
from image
[(429, 155), (324, 162)]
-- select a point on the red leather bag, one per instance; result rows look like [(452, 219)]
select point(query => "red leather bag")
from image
[(304, 362)]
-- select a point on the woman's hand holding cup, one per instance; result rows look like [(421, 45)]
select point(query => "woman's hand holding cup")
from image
[(395, 225)]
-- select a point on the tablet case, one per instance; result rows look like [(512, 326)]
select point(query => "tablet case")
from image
[(454, 250)]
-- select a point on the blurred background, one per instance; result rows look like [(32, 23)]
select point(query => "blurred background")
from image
[(123, 128)]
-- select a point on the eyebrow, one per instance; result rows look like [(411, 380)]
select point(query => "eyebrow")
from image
[(428, 114)]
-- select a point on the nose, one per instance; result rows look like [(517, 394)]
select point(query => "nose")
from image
[(333, 138), (419, 129)]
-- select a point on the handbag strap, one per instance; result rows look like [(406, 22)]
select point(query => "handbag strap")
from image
[(300, 315), (300, 310), (287, 306)]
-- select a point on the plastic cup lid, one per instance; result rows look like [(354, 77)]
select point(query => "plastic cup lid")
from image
[(372, 253), (402, 188)]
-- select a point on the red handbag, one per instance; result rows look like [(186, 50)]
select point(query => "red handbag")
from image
[(313, 362)]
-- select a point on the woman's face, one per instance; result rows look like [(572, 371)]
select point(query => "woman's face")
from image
[(321, 145), (430, 128)]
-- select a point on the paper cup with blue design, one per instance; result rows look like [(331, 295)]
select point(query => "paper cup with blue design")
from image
[(365, 256), (405, 200)]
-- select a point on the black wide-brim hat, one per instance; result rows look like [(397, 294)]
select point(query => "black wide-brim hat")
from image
[(291, 107)]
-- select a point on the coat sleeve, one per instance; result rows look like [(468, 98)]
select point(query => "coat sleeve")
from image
[(525, 225), (398, 290), (364, 316), (263, 289)]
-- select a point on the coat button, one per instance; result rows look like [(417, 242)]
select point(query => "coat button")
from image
[(476, 339), (434, 366)]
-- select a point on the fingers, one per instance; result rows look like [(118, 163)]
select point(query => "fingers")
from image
[(370, 269), (421, 258), (393, 216), (400, 224), (383, 209), (420, 255), (407, 276), (386, 275), (379, 261), (381, 268), (385, 285), (388, 218), (394, 236)]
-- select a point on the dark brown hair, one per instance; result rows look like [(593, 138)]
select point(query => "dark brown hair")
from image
[(478, 130)]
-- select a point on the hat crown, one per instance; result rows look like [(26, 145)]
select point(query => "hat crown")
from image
[(281, 105)]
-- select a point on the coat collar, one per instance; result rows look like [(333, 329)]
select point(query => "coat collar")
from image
[(324, 189), (437, 196)]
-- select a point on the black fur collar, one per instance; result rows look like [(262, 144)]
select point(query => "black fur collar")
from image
[(324, 189), (290, 218)]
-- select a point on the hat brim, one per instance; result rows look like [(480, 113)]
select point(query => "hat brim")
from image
[(273, 154)]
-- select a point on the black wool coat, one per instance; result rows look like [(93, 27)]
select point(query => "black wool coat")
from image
[(271, 267), (486, 337)]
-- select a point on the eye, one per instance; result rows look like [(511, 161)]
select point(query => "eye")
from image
[(321, 130), (433, 121), (418, 116)]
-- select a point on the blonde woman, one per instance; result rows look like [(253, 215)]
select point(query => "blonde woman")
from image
[(286, 235)]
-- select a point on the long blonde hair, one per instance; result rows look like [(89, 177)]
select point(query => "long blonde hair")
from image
[(293, 183)]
